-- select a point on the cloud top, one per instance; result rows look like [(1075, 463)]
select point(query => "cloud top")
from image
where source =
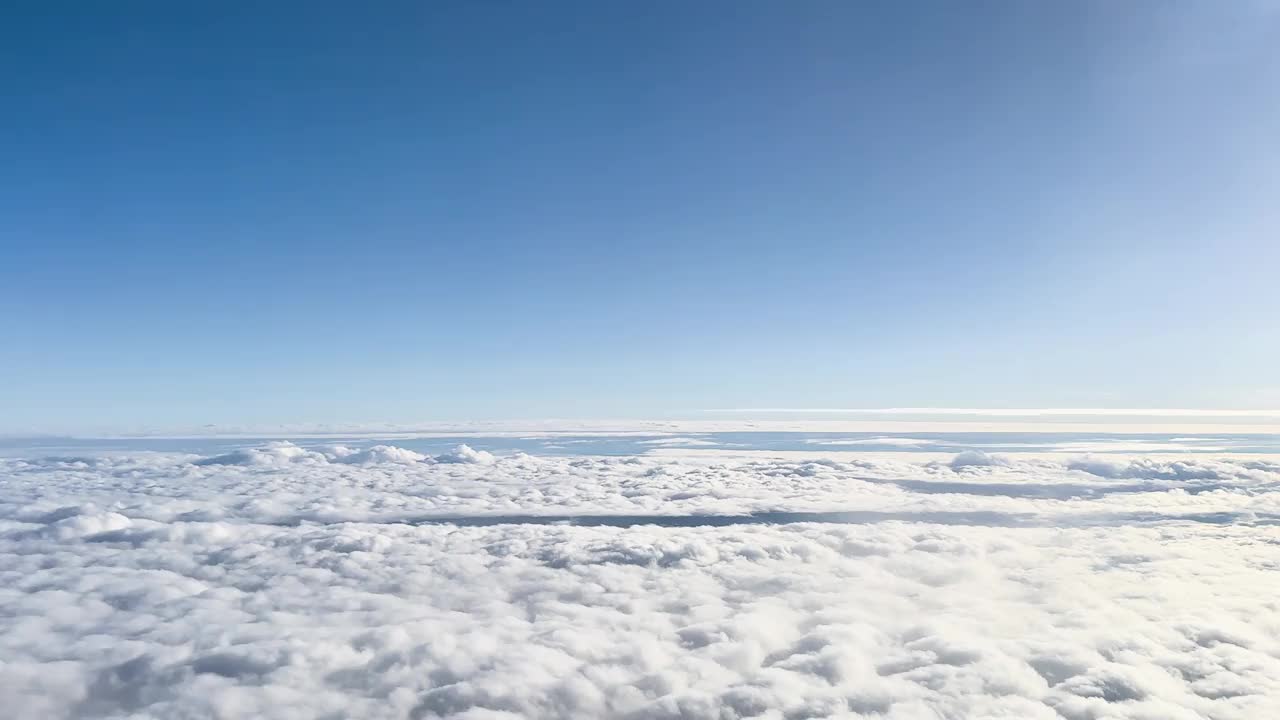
[(284, 453), (283, 581)]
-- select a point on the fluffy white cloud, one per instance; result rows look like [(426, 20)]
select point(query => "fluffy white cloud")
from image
[(975, 458), (280, 582), (270, 455), (380, 454), (283, 452), (464, 454)]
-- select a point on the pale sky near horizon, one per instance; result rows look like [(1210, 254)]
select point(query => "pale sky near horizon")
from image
[(318, 212)]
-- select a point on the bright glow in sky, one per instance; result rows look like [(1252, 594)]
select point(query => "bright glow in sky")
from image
[(323, 212)]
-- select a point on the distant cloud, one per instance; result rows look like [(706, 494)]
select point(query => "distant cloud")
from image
[(464, 454), (975, 458), (286, 453), (276, 453), (1020, 412), (380, 454)]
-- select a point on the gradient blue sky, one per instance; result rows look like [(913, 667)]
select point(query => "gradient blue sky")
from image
[(301, 212)]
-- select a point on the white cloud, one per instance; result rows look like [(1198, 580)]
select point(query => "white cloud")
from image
[(975, 458), (272, 454), (464, 454), (282, 453), (1025, 412), (279, 585), (379, 454)]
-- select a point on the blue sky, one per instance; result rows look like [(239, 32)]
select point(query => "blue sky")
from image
[(314, 212)]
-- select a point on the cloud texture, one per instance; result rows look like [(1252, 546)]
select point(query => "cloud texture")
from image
[(303, 583)]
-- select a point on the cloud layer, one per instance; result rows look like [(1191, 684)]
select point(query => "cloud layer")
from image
[(292, 583)]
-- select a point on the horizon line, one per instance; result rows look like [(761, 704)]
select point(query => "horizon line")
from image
[(1014, 412)]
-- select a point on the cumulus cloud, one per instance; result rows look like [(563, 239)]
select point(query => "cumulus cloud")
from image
[(272, 454), (292, 583), (975, 458), (281, 453), (464, 454), (1187, 470), (381, 454)]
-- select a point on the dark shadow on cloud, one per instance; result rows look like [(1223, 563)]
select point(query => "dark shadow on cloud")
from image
[(1050, 491), (858, 517), (981, 518), (230, 665), (126, 688)]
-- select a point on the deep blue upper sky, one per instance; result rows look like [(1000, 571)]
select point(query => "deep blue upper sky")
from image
[(321, 211)]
